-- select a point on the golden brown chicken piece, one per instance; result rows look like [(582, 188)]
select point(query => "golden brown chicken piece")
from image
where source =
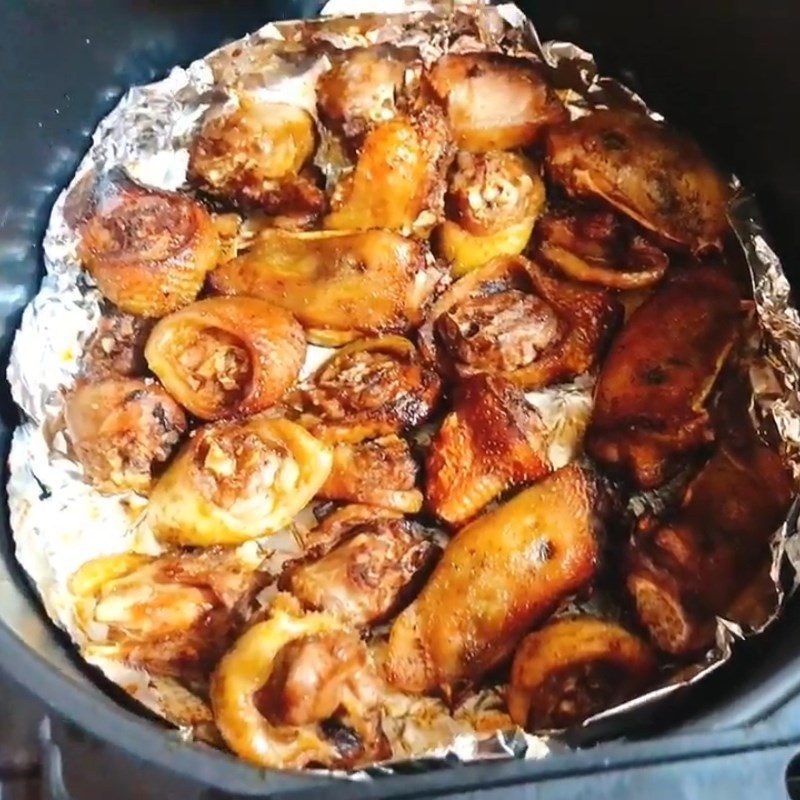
[(121, 430), (255, 156), (297, 690), (690, 566), (370, 388), (117, 346), (511, 318), (227, 356), (494, 101), (379, 472), (646, 171), (501, 575), (597, 247), (492, 203), (364, 88), (399, 174), (650, 399), (370, 576), (491, 441), (173, 615), (149, 251), (235, 481), (339, 285), (574, 668)]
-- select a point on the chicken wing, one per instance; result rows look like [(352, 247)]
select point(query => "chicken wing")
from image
[(511, 318), (491, 441), (646, 171), (499, 576), (494, 101), (649, 402)]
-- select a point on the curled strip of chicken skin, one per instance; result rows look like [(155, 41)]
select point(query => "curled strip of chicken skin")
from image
[(646, 171), (298, 690), (511, 318), (149, 251), (574, 668), (370, 388), (492, 440), (121, 430), (235, 481), (227, 356), (172, 614)]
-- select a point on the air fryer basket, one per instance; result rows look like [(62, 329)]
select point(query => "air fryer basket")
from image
[(724, 70)]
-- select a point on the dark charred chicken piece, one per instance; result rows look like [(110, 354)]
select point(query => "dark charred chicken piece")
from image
[(499, 576), (688, 567), (646, 171), (379, 472), (650, 399), (511, 318), (597, 247), (491, 441), (494, 101), (574, 668), (369, 576), (370, 388), (121, 429)]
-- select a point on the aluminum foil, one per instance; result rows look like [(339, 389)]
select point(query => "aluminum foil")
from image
[(60, 522)]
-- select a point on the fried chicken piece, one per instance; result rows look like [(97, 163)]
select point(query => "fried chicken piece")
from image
[(573, 669), (649, 409), (596, 247), (511, 318), (121, 430), (336, 526), (501, 575), (491, 441), (646, 171), (379, 472), (494, 101), (688, 567), (367, 578), (117, 346)]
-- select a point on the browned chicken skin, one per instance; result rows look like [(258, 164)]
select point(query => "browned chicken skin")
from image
[(121, 429), (649, 402), (595, 247), (500, 575), (646, 171), (368, 577), (494, 101), (491, 441), (511, 318), (379, 472), (117, 346)]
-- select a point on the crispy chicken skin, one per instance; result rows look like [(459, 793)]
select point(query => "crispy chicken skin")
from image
[(650, 399), (297, 690), (121, 430), (511, 318), (339, 285), (149, 251), (117, 346), (492, 440), (574, 668), (255, 156), (227, 356), (379, 472), (367, 578), (173, 614), (370, 388), (502, 574), (494, 101), (492, 204), (689, 566), (399, 173), (598, 247), (646, 171)]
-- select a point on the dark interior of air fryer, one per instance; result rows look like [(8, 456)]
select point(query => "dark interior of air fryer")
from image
[(722, 70)]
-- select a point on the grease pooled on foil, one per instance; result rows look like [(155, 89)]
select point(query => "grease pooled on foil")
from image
[(60, 522)]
